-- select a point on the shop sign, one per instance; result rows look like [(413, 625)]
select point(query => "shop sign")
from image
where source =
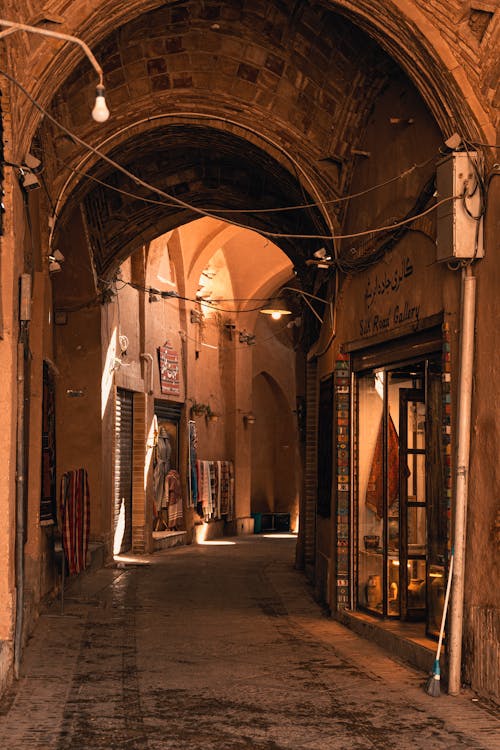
[(388, 283), (169, 370), (382, 287), (394, 316)]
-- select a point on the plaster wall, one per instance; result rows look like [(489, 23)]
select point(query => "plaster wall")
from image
[(21, 252), (11, 267), (38, 560), (274, 440), (437, 287), (83, 405), (482, 592), (276, 464)]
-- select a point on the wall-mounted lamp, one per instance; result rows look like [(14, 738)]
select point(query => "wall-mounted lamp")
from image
[(246, 338), (278, 307), (248, 419), (100, 113)]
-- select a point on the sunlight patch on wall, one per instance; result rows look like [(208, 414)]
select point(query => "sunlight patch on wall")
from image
[(108, 373), (150, 444)]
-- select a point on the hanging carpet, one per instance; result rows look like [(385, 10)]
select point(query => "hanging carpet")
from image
[(75, 519), (48, 500), (174, 508), (375, 489)]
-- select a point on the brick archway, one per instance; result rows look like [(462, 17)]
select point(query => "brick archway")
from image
[(444, 50), (289, 91)]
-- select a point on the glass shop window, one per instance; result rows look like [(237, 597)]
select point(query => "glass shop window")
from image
[(370, 490)]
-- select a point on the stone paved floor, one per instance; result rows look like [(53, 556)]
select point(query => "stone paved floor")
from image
[(220, 647)]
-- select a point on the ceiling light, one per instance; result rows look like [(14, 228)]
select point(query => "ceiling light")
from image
[(277, 309)]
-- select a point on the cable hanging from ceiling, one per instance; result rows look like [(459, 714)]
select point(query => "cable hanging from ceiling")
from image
[(243, 336), (200, 211), (282, 209)]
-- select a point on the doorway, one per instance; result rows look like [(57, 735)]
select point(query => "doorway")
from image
[(401, 519), (274, 458), (122, 525)]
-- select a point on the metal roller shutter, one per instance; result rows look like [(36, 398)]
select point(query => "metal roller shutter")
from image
[(123, 467)]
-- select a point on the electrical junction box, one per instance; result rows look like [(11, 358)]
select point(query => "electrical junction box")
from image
[(459, 235)]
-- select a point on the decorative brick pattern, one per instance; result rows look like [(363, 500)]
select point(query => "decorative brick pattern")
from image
[(139, 524), (342, 433), (446, 377), (311, 461)]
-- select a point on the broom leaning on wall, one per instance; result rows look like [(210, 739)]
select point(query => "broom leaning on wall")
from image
[(433, 684)]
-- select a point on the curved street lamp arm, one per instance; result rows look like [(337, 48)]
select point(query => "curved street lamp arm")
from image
[(307, 296), (13, 26)]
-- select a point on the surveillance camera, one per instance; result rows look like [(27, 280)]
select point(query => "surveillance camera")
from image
[(33, 164), (453, 142), (320, 254), (29, 181)]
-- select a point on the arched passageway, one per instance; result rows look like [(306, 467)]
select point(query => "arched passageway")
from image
[(276, 475), (267, 146)]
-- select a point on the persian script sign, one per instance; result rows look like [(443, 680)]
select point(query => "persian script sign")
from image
[(169, 370), (380, 285)]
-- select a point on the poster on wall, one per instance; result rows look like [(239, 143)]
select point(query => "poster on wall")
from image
[(169, 370)]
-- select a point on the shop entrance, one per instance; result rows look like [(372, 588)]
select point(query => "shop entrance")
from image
[(401, 521), (123, 471)]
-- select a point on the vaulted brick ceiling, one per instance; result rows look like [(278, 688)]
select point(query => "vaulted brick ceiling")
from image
[(226, 105), (211, 170)]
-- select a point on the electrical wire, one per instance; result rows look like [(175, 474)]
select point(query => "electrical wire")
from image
[(115, 189), (137, 196), (282, 209), (377, 230), (149, 290), (173, 295), (82, 306), (282, 329), (202, 212), (479, 185), (478, 143)]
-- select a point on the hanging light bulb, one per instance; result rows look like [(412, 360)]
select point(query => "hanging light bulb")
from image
[(100, 113)]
